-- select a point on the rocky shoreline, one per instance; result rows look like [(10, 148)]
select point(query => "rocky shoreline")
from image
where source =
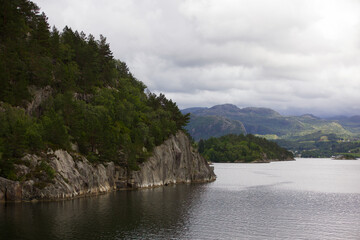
[(344, 157), (267, 160), (175, 161)]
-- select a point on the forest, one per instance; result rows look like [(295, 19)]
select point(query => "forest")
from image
[(65, 90), (322, 148), (241, 148)]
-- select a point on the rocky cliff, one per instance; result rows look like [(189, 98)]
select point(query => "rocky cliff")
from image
[(175, 161), (62, 175)]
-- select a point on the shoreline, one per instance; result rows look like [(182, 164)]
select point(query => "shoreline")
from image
[(260, 161), (90, 195)]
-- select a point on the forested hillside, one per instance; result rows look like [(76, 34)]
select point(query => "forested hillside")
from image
[(240, 148), (64, 89)]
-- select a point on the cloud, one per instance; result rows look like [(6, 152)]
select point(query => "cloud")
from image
[(293, 56)]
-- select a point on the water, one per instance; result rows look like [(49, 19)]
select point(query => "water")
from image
[(303, 199)]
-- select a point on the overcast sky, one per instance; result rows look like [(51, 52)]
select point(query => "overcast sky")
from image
[(298, 56)]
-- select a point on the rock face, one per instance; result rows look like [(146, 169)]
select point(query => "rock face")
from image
[(172, 162), (39, 96), (175, 161)]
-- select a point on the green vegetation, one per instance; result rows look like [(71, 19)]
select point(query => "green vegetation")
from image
[(306, 135), (240, 148), (352, 124), (87, 97), (320, 144)]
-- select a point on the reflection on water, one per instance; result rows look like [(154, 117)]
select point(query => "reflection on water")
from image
[(306, 199), (126, 214)]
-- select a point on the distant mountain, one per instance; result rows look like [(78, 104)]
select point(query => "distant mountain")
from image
[(255, 120), (309, 116), (338, 117), (232, 111), (204, 127), (350, 123), (306, 135), (355, 119), (265, 121), (261, 112), (190, 110)]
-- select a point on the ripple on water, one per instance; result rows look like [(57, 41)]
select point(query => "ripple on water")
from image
[(248, 201)]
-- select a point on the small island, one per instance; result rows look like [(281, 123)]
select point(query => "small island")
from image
[(344, 157), (242, 149)]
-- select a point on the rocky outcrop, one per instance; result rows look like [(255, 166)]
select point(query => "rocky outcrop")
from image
[(175, 161), (60, 175), (40, 95), (10, 190), (72, 177)]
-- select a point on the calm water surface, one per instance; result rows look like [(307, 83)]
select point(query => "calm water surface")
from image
[(303, 199)]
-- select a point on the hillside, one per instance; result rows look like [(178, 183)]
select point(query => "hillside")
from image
[(320, 144), (350, 123), (264, 121), (305, 135), (64, 90), (204, 127), (240, 148)]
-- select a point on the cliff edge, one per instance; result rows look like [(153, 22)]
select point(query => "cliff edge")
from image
[(61, 175), (175, 161)]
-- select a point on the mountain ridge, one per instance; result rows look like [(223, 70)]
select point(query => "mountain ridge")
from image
[(266, 121)]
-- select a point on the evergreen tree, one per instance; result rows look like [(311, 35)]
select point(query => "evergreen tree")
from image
[(94, 101)]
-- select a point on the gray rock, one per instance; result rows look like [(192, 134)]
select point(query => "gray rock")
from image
[(21, 170), (175, 161), (31, 159), (40, 95), (10, 190)]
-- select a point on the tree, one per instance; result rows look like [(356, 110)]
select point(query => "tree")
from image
[(201, 145), (55, 132)]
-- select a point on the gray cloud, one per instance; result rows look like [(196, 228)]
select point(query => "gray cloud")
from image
[(293, 56)]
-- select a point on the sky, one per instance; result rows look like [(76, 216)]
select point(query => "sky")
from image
[(296, 57)]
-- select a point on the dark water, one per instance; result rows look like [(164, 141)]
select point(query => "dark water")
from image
[(306, 199)]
